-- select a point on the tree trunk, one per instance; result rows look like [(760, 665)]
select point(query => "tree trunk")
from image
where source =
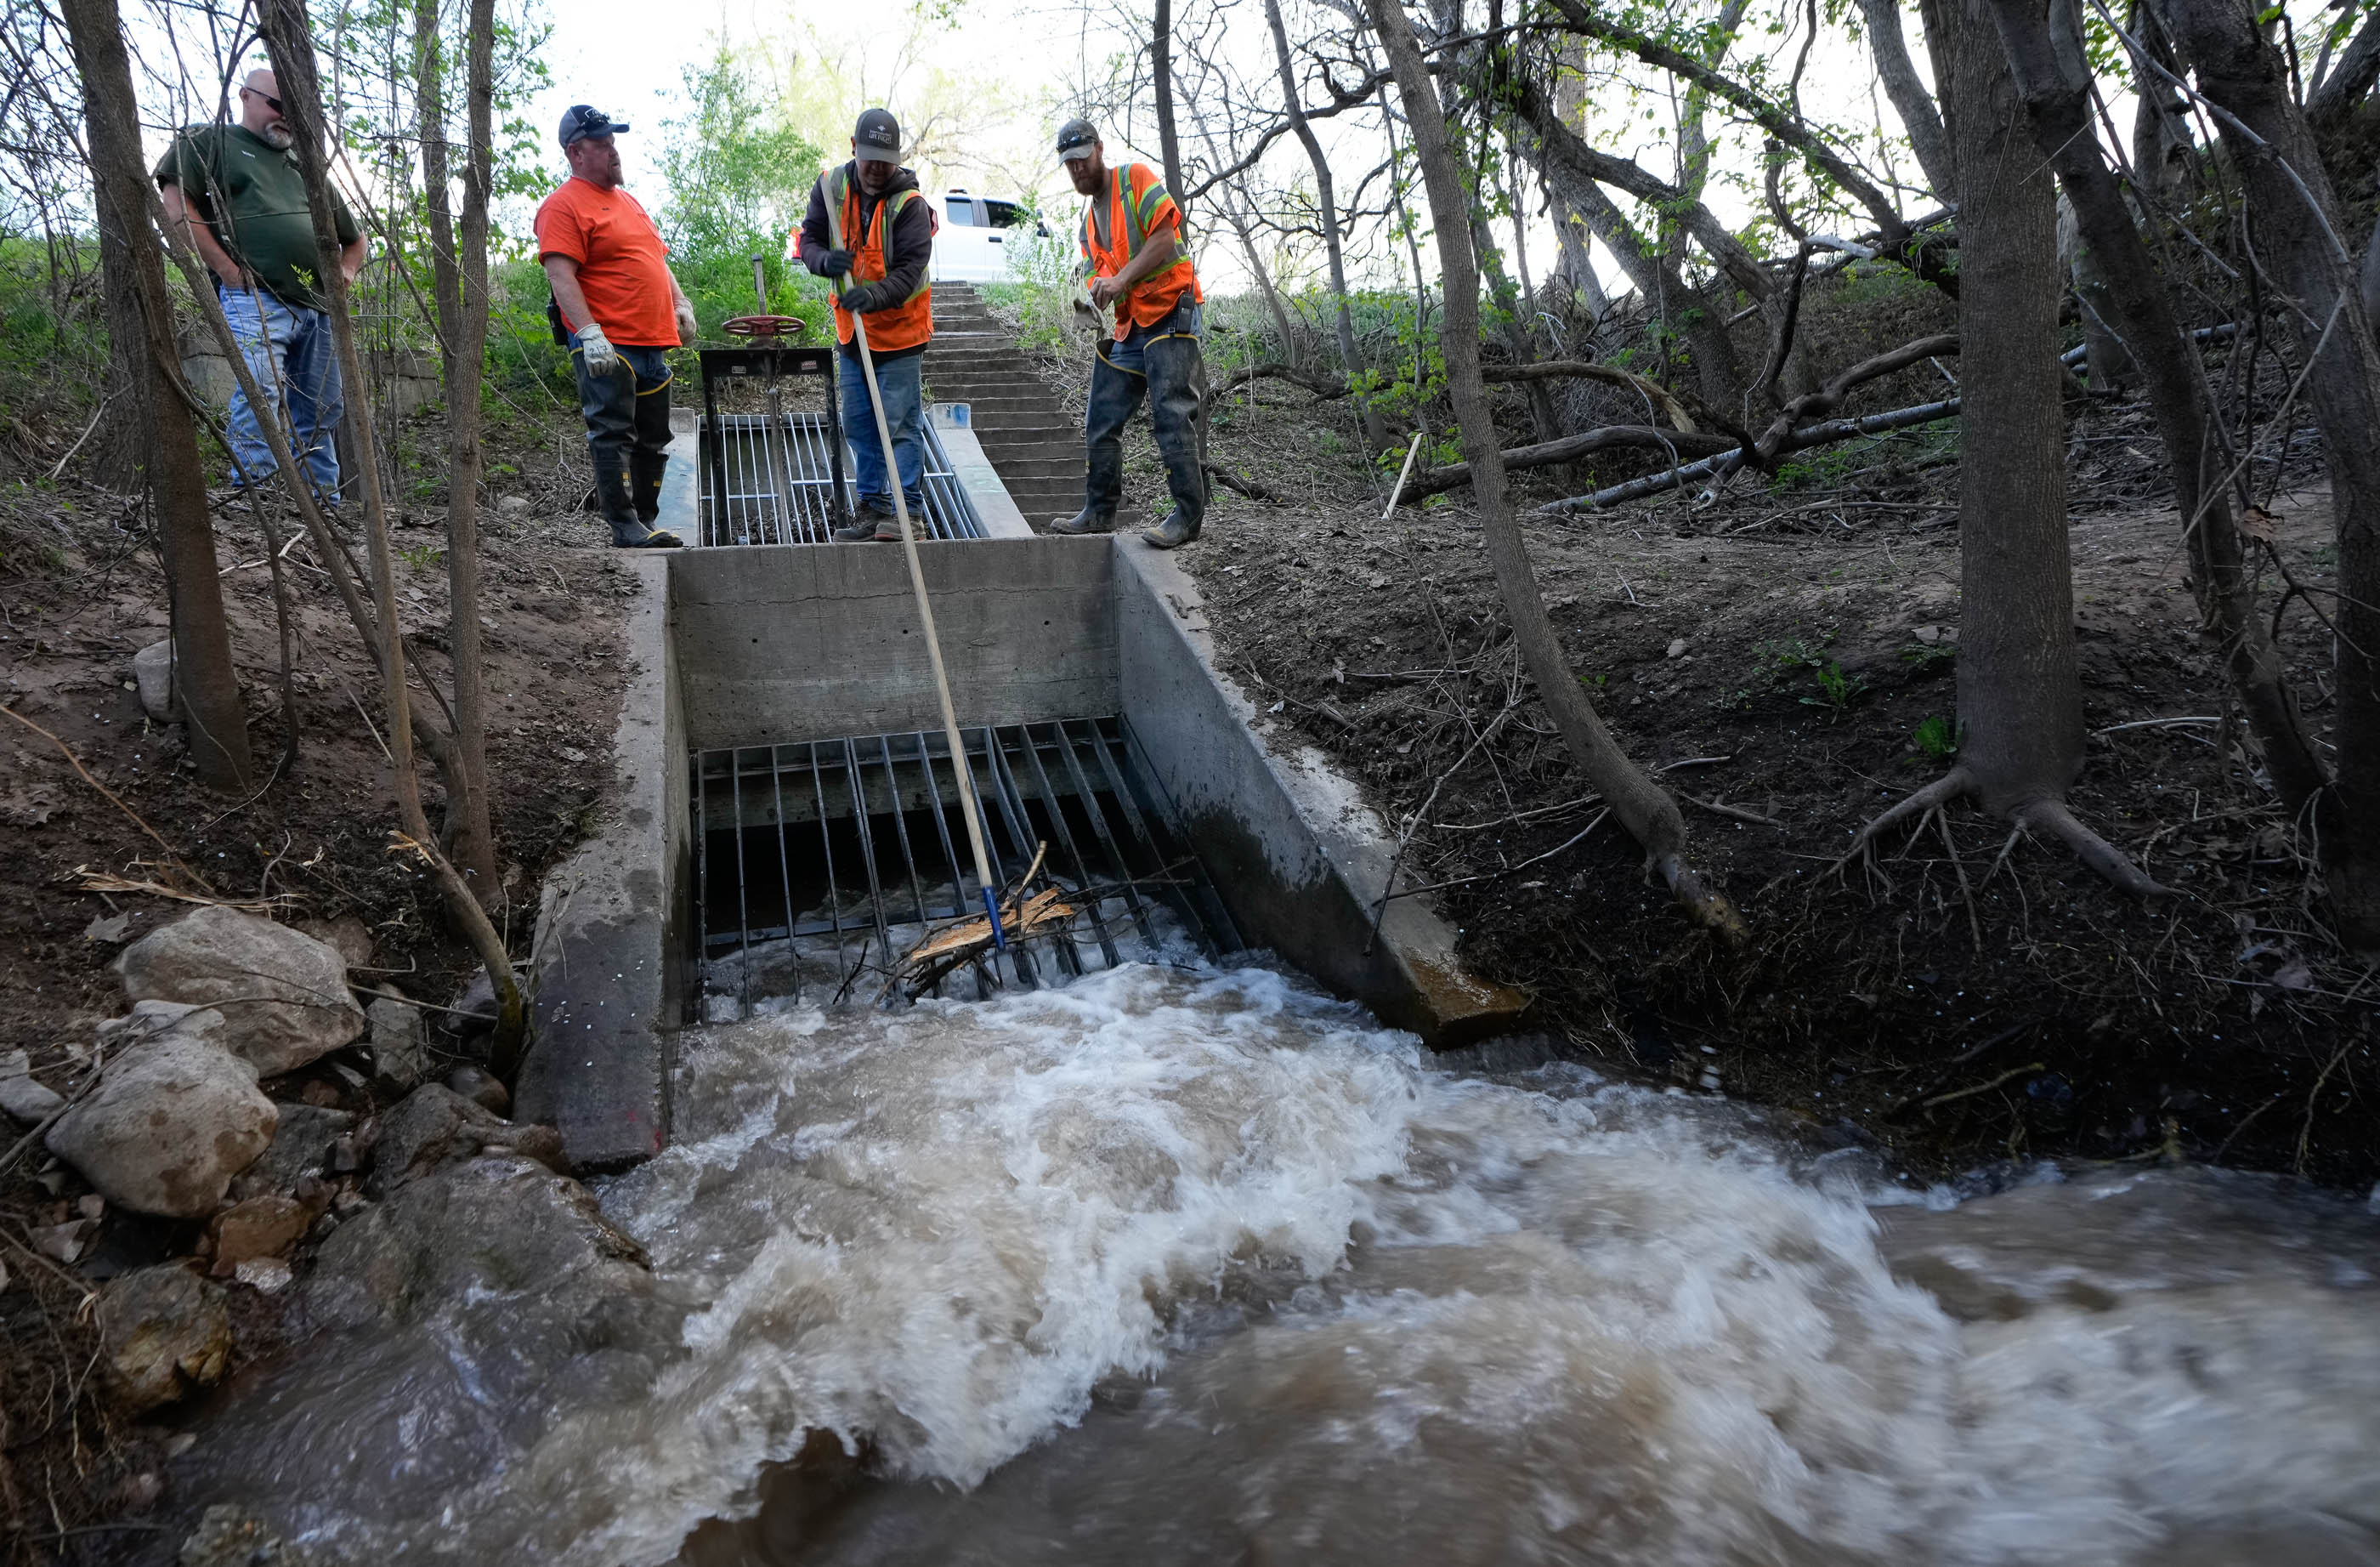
[(2102, 345), (2056, 97), (1577, 268), (1569, 168), (1642, 808), (2301, 242), (1161, 67), (2019, 688), (206, 689), (1227, 197), (2161, 141), (1325, 197), (1887, 45), (287, 39), (459, 282), (119, 458)]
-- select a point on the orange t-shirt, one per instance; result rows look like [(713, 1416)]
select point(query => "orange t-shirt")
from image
[(623, 265)]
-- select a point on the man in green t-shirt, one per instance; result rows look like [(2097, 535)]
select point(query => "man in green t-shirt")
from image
[(235, 192)]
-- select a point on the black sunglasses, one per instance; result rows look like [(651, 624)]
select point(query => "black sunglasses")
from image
[(271, 103)]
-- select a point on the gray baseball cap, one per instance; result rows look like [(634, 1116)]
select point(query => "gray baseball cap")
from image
[(876, 138), (1077, 139), (581, 122)]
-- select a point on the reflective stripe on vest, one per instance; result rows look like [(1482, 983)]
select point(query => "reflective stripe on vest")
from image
[(1131, 215), (904, 326)]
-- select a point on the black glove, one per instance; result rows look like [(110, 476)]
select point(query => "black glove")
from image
[(867, 298), (831, 263)]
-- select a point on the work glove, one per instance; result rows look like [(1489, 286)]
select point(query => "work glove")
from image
[(689, 329), (596, 351), (867, 298), (831, 263)]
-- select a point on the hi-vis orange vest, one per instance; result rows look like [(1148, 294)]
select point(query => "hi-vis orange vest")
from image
[(906, 325), (1114, 232)]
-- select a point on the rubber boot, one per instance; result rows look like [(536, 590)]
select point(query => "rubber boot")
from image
[(1090, 519), (644, 484), (633, 535), (1177, 529)]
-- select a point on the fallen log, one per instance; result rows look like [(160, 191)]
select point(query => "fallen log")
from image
[(1571, 447), (1824, 433), (1328, 387)]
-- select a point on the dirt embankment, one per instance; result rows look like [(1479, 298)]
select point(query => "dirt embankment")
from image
[(1788, 656), (80, 592)]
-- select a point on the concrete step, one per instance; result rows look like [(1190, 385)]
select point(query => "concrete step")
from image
[(1014, 430), (1042, 406), (1034, 452), (1023, 471), (1022, 439)]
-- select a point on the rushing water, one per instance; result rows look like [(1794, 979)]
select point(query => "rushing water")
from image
[(1194, 1267)]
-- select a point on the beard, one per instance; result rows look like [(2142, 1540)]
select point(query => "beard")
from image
[(279, 135)]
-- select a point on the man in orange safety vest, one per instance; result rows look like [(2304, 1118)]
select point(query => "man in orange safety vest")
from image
[(868, 225), (1132, 241)]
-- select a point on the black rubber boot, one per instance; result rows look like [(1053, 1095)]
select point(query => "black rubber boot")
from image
[(644, 484), (1090, 519), (638, 536)]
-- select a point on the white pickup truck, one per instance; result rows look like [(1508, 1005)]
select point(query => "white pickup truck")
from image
[(976, 232)]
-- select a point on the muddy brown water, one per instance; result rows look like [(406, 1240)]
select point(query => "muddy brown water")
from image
[(1180, 1265)]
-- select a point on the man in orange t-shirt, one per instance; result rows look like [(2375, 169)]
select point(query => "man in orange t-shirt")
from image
[(624, 313)]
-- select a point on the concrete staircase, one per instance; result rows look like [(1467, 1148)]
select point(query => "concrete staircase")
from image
[(1036, 449)]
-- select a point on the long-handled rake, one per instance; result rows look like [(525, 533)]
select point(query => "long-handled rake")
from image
[(970, 804)]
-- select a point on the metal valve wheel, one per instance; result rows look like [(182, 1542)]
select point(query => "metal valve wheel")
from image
[(762, 326)]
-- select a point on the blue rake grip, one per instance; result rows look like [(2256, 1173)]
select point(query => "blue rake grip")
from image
[(991, 910)]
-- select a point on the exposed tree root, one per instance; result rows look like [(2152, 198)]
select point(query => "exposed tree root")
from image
[(2051, 816), (2117, 867)]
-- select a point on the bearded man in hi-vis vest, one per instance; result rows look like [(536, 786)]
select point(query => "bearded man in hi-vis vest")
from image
[(867, 225), (1132, 242)]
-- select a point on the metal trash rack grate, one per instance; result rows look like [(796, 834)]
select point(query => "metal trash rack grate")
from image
[(787, 836), (778, 477)]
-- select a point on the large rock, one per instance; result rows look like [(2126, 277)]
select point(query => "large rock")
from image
[(400, 1059), (153, 674), (484, 1230), (26, 1099), (260, 1227), (174, 1117), (164, 1332), (284, 992), (304, 1146), (433, 1126)]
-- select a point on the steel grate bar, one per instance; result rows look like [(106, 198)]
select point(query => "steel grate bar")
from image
[(1098, 816), (859, 818), (1110, 833), (1057, 810), (780, 484)]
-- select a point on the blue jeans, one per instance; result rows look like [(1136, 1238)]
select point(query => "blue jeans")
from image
[(1162, 363), (297, 368), (903, 381)]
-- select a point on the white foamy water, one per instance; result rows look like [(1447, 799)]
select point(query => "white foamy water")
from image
[(1172, 1267)]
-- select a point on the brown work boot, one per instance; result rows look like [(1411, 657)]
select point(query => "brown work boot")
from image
[(868, 523)]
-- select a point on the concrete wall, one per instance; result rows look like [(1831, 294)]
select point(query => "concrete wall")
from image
[(792, 643), (611, 965), (787, 643), (1296, 854)]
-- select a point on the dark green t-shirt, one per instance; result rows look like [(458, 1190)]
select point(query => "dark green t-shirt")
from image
[(252, 197)]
